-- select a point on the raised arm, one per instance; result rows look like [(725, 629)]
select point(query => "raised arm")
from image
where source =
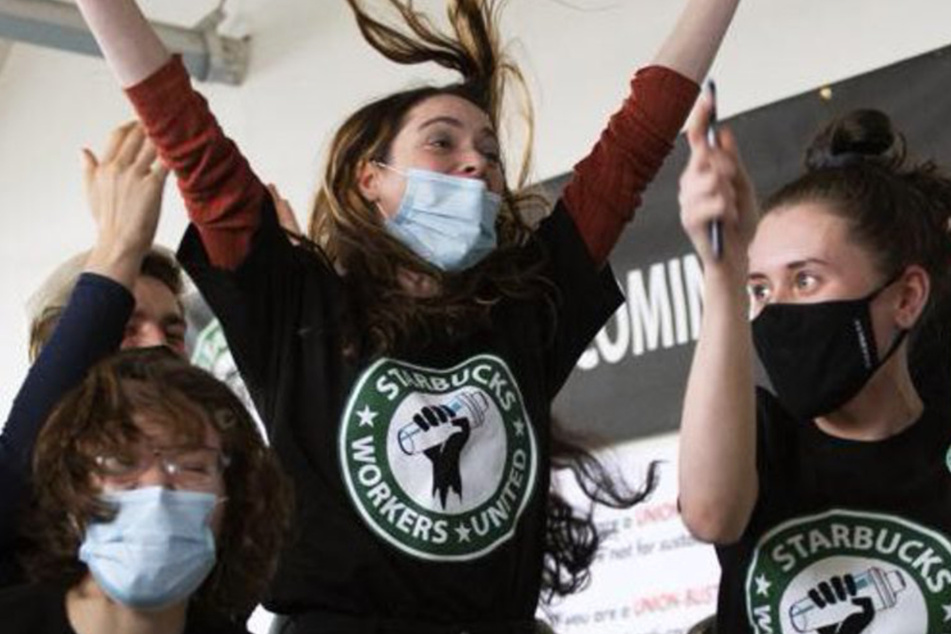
[(222, 194), (717, 473), (607, 185), (124, 190), (126, 38), (693, 44)]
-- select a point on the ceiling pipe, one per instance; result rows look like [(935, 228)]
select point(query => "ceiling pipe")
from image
[(207, 55), (4, 51)]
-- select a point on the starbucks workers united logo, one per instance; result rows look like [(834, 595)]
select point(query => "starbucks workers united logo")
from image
[(439, 463), (845, 572)]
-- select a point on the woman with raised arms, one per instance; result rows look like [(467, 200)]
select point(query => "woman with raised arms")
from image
[(405, 359)]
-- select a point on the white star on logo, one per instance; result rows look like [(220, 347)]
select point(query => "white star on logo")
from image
[(463, 533), (947, 612), (366, 416), (762, 585), (519, 427)]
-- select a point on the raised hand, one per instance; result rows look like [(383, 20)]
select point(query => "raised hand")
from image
[(718, 482), (285, 214), (124, 193), (715, 186)]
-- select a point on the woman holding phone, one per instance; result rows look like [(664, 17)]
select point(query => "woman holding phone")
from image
[(829, 499)]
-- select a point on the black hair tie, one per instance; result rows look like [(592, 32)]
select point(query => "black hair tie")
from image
[(845, 159)]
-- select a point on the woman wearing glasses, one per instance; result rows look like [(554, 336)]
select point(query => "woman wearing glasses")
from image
[(158, 509)]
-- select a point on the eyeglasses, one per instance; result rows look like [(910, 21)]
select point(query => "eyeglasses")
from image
[(194, 468)]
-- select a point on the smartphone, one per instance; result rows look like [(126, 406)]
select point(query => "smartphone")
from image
[(716, 227)]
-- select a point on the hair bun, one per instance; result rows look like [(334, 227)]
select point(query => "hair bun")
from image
[(857, 136)]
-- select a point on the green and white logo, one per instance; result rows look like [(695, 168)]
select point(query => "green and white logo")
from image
[(439, 462), (845, 572), (211, 352)]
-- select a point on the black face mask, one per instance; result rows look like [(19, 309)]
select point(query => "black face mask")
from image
[(819, 356)]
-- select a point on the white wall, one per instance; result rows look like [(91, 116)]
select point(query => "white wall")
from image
[(310, 68)]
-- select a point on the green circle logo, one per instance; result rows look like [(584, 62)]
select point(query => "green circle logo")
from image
[(846, 571), (211, 353), (440, 463)]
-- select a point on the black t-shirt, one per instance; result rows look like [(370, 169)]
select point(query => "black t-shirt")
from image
[(846, 536), (41, 609), (420, 476)]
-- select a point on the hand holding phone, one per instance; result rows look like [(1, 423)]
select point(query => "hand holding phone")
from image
[(716, 227)]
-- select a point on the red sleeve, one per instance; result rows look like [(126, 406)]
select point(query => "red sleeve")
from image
[(607, 185), (223, 196)]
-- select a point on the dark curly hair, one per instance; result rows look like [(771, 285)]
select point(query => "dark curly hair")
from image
[(98, 417), (572, 538)]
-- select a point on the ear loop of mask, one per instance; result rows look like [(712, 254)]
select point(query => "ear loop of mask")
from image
[(387, 166), (901, 333), (382, 164)]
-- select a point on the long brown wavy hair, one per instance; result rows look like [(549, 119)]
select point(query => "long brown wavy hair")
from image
[(97, 418), (349, 229)]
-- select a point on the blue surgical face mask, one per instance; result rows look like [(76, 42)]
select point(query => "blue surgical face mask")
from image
[(446, 220), (158, 549)]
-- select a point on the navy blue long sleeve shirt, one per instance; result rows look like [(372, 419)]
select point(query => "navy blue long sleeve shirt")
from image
[(90, 328)]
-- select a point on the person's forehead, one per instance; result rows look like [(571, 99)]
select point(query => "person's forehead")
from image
[(449, 106), (157, 431), (802, 233), (151, 294)]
